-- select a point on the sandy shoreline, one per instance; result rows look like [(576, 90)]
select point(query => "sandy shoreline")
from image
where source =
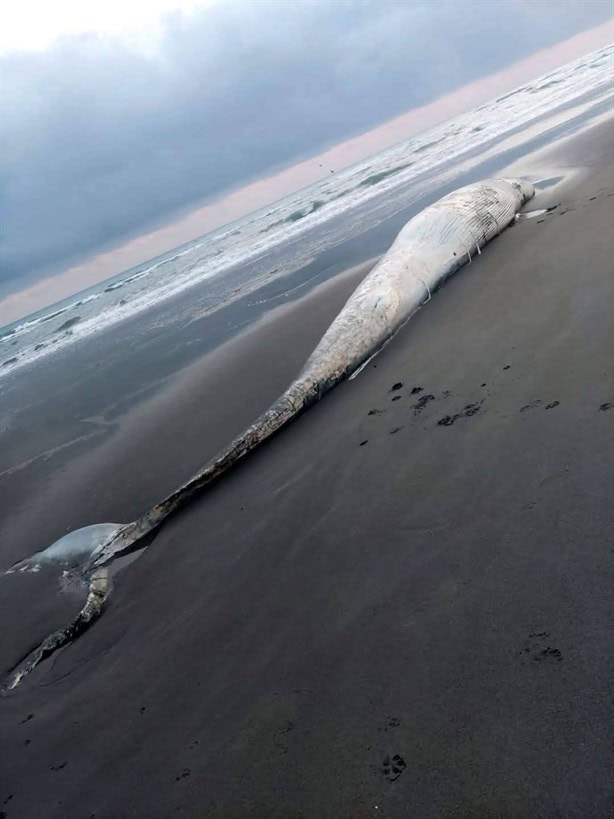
[(438, 593)]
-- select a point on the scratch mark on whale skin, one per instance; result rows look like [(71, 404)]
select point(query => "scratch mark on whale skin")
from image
[(429, 249)]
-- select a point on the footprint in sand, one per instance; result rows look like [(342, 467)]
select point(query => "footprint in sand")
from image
[(421, 403), (537, 648), (467, 412), (393, 767)]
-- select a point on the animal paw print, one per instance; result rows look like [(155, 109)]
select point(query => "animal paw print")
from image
[(391, 722), (421, 403), (536, 648), (468, 412), (393, 767)]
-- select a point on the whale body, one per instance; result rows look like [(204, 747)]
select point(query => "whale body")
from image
[(427, 251)]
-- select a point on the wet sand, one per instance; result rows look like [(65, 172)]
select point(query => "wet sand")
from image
[(399, 607), (135, 454)]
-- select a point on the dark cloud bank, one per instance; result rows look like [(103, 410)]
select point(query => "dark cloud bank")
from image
[(101, 139)]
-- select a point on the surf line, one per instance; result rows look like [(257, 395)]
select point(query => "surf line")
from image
[(429, 249)]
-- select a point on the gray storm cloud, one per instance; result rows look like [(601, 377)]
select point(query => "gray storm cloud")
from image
[(102, 138)]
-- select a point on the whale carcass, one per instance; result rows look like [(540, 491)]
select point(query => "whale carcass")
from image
[(428, 250)]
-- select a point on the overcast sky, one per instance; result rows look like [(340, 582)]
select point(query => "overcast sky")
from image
[(105, 135)]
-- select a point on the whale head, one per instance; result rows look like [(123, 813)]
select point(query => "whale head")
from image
[(523, 189)]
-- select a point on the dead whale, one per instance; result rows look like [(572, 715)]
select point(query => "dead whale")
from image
[(428, 250)]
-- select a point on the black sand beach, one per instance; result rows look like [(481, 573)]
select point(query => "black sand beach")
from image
[(399, 607)]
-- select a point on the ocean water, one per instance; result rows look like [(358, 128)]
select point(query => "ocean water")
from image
[(278, 240)]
